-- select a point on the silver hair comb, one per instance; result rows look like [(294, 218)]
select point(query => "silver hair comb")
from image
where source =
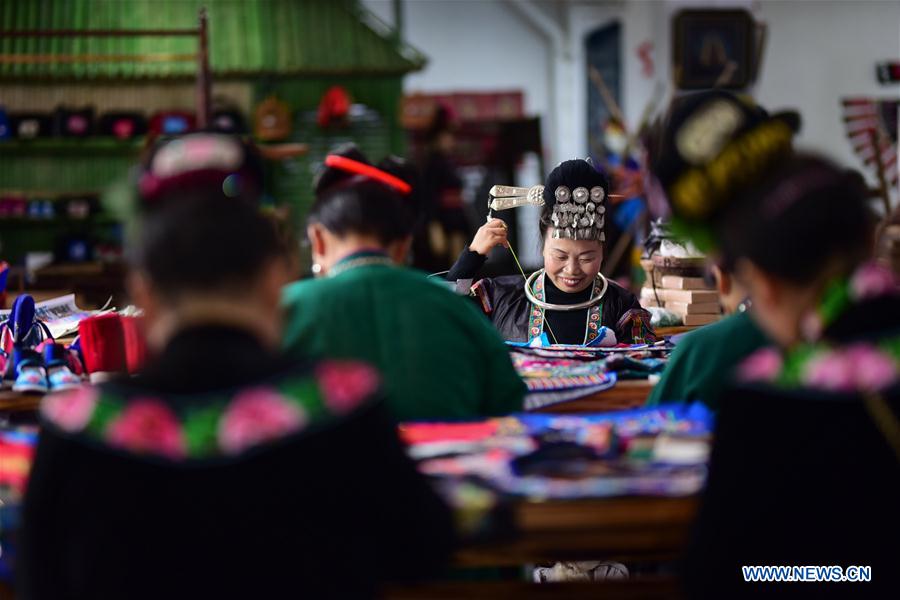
[(503, 197)]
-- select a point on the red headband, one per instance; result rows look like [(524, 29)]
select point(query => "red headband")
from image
[(354, 166)]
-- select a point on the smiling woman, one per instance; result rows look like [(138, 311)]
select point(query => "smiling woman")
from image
[(570, 263), (569, 300)]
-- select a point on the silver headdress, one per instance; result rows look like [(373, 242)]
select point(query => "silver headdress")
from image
[(579, 214), (505, 196)]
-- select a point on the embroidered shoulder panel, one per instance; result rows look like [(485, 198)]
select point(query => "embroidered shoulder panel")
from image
[(222, 424), (868, 366), (859, 367), (594, 332)]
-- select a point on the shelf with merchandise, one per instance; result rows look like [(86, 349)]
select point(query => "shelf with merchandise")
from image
[(59, 221), (77, 146)]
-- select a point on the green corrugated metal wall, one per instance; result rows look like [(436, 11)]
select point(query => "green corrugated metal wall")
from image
[(290, 181), (295, 37), (303, 48)]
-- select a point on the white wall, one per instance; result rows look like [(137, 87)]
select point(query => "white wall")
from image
[(475, 45), (817, 52)]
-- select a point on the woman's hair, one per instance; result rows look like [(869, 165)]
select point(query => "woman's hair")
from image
[(199, 225), (348, 203), (572, 174), (806, 215), (200, 162), (196, 242)]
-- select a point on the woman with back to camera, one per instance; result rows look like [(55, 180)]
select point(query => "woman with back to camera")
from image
[(805, 468), (806, 449), (439, 357), (224, 469)]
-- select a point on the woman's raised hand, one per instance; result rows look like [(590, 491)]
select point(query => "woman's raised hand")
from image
[(489, 236)]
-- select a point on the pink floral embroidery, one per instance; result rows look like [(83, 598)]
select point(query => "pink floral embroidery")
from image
[(258, 415), (71, 411), (147, 425), (763, 365), (859, 367), (872, 280), (829, 370), (873, 369), (346, 384)]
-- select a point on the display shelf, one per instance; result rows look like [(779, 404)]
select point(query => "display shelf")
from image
[(78, 146), (7, 222)]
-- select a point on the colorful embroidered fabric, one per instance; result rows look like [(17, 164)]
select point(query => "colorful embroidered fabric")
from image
[(864, 366), (559, 373), (17, 449), (570, 382), (222, 424), (567, 456), (479, 292), (637, 323), (538, 399)]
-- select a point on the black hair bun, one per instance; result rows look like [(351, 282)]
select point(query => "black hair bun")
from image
[(330, 176), (573, 174), (401, 169), (714, 145)]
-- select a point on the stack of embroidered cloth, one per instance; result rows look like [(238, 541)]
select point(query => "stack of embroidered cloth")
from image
[(561, 373)]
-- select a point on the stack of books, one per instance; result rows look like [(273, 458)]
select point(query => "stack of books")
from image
[(678, 285)]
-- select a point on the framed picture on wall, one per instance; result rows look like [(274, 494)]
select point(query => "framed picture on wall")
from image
[(713, 48)]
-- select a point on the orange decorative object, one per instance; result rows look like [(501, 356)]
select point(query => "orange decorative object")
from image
[(272, 120)]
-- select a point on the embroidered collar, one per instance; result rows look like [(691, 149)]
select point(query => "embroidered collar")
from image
[(220, 424), (868, 281), (593, 329), (362, 258), (857, 367)]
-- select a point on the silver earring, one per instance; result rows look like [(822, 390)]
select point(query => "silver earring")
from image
[(316, 268)]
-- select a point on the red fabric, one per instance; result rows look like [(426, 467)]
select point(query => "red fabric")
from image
[(135, 343), (420, 433), (334, 106), (17, 458), (103, 344)]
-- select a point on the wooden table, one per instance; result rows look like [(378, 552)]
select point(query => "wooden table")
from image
[(624, 395), (629, 393), (666, 331), (644, 588), (14, 402), (624, 529)]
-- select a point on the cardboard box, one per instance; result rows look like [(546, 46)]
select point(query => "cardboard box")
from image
[(697, 320), (677, 282), (686, 296), (702, 308)]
